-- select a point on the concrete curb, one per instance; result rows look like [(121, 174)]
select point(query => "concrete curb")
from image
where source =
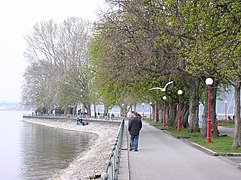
[(199, 147), (202, 148), (235, 164)]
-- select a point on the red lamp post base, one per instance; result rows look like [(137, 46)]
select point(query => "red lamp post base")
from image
[(208, 140)]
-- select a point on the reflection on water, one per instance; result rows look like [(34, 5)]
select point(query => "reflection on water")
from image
[(46, 149), (37, 152)]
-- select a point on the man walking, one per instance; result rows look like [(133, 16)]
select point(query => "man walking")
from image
[(134, 127)]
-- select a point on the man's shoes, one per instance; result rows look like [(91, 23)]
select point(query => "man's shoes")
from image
[(136, 150), (130, 149)]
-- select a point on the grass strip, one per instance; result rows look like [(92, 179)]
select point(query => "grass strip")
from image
[(218, 144), (227, 125)]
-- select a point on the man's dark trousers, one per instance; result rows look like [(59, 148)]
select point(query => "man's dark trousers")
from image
[(134, 142)]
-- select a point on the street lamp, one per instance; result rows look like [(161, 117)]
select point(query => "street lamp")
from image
[(143, 110), (226, 102), (122, 110), (156, 102), (179, 92), (164, 113), (150, 111), (209, 82)]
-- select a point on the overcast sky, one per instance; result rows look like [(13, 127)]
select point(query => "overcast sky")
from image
[(17, 18)]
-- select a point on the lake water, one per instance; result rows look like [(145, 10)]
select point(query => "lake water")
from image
[(29, 151)]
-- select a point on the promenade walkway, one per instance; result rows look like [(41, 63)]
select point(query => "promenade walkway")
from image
[(162, 157), (226, 130)]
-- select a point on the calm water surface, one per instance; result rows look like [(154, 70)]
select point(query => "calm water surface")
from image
[(30, 151)]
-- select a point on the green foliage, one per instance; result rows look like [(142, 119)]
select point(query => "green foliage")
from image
[(196, 36)]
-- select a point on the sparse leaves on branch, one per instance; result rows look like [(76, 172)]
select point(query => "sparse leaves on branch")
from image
[(58, 61)]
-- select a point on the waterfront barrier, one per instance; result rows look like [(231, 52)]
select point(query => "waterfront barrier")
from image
[(66, 118), (113, 162)]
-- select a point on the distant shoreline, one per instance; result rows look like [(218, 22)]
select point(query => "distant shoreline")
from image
[(89, 163)]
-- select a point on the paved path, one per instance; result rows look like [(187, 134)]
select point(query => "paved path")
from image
[(226, 130), (162, 157)]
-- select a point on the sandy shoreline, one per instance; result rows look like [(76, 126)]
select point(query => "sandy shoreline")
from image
[(92, 161)]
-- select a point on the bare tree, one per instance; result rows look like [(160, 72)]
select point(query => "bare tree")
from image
[(54, 52)]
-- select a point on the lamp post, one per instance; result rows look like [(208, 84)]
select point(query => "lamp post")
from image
[(122, 110), (209, 82), (226, 102), (143, 110), (164, 113), (179, 92), (150, 111), (156, 102)]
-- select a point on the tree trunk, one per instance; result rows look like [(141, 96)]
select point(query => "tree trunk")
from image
[(88, 108), (153, 112), (105, 110), (161, 111), (185, 114), (213, 108), (95, 113), (75, 110), (83, 108), (135, 107), (194, 106), (157, 112), (123, 110), (172, 113), (65, 111), (237, 129)]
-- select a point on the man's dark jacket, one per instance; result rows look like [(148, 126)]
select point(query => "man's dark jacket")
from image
[(135, 126)]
